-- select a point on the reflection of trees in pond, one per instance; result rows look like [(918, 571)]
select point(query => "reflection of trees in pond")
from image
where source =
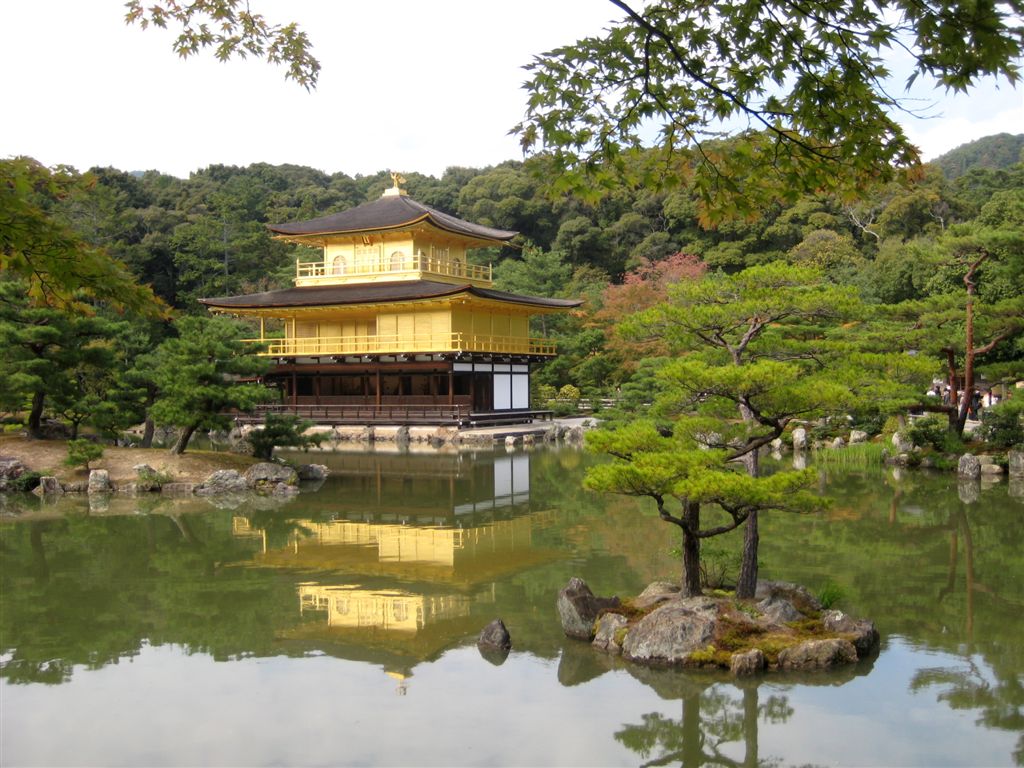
[(1000, 700), (711, 719)]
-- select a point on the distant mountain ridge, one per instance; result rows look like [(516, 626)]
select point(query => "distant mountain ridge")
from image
[(998, 151)]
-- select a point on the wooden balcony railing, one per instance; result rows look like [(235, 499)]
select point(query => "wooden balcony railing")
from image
[(411, 266), (393, 344)]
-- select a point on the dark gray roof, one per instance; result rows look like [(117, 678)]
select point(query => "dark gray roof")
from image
[(374, 293), (389, 213)]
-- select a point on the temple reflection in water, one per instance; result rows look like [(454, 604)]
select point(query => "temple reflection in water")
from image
[(403, 551)]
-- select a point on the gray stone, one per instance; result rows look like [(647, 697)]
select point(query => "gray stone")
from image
[(312, 472), (222, 481), (985, 459), (608, 626), (48, 486), (991, 469), (864, 634), (575, 435), (818, 654), (99, 481), (495, 635), (777, 445), (177, 489), (747, 663), (75, 486), (529, 439), (799, 596), (902, 443), (799, 439), (858, 436), (969, 467), (655, 593), (397, 435), (267, 474), (778, 610), (10, 470), (510, 441), (578, 608), (671, 632), (799, 460), (1015, 463)]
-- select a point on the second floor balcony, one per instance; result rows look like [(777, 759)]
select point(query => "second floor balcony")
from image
[(411, 343), (340, 270)]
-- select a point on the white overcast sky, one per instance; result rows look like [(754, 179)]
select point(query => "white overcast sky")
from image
[(405, 85)]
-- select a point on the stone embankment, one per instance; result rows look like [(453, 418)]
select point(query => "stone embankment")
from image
[(268, 479), (784, 627)]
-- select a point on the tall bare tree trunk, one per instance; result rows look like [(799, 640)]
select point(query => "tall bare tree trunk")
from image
[(746, 584), (35, 416), (182, 442), (691, 550), (148, 428)]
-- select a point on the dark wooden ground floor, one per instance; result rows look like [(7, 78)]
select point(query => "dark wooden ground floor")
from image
[(404, 391)]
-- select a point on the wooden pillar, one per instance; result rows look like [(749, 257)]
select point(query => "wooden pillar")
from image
[(295, 389), (451, 384), (377, 374), (316, 387)]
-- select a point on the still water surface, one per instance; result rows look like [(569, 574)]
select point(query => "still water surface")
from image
[(339, 628)]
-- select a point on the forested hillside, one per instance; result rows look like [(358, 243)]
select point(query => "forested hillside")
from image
[(992, 152), (903, 247)]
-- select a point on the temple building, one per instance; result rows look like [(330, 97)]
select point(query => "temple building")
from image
[(394, 324)]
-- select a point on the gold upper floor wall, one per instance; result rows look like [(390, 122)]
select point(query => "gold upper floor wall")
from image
[(415, 254)]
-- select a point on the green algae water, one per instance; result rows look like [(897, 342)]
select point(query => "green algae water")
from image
[(339, 627)]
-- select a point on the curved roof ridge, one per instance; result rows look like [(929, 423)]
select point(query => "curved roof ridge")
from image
[(389, 212)]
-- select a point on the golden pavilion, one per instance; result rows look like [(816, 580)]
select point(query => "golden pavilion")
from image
[(394, 324)]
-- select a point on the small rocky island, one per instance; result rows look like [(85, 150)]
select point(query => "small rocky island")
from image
[(783, 627)]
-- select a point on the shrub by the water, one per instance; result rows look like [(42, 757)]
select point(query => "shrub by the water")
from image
[(1002, 426), (81, 452)]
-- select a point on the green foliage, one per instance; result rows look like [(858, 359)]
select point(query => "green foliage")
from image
[(808, 84), (230, 28), (280, 431), (928, 431), (570, 393), (855, 455), (830, 595), (198, 375), (81, 452), (1002, 425), (25, 482), (718, 567)]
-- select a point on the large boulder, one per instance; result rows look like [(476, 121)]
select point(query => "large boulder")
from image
[(1015, 463), (99, 481), (799, 439), (10, 470), (747, 663), (778, 610), (902, 443), (863, 633), (495, 636), (312, 472), (608, 635), (858, 436), (267, 474), (798, 596), (48, 486), (578, 608), (222, 481), (671, 632), (654, 593), (969, 467), (818, 654)]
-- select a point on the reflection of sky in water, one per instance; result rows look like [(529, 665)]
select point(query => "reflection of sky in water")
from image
[(165, 708)]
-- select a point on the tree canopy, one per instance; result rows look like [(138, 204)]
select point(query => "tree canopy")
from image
[(804, 83)]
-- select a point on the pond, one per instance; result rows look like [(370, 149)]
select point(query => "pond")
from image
[(339, 627)]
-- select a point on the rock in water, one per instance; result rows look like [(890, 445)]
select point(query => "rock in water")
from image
[(99, 481), (668, 634), (494, 643), (578, 608), (267, 474), (495, 635), (608, 627), (864, 634), (223, 481), (818, 654), (747, 663), (969, 467)]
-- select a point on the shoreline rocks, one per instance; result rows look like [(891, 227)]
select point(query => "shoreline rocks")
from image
[(784, 627)]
